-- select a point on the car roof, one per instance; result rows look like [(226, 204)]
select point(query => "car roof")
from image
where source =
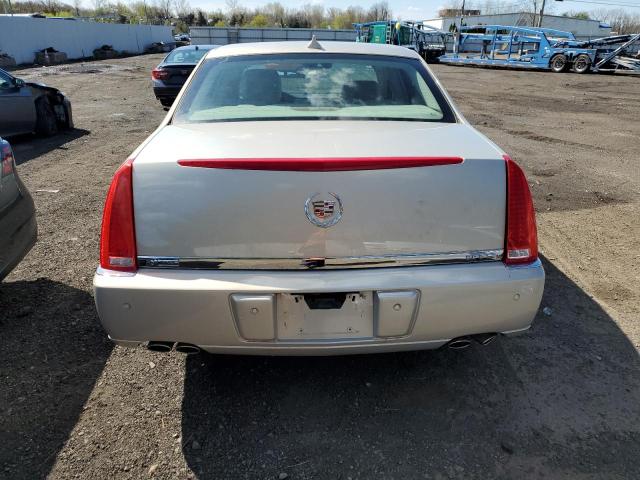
[(193, 47), (265, 48)]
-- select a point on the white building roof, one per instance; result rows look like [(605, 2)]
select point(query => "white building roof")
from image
[(497, 15)]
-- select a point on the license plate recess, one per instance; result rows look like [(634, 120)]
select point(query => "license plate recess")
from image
[(317, 319)]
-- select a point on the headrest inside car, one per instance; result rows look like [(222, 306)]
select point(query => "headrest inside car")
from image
[(360, 92), (260, 87)]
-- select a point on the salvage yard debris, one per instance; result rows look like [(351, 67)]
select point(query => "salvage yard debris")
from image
[(50, 56), (105, 52), (6, 60), (160, 47)]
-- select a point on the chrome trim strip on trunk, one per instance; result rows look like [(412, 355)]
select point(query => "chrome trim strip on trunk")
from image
[(367, 261)]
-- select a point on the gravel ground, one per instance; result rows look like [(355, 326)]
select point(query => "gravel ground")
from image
[(562, 401)]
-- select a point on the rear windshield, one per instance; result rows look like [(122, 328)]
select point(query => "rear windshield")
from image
[(312, 86), (186, 56)]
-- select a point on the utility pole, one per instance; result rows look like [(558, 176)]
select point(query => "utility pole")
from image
[(458, 36), (541, 14)]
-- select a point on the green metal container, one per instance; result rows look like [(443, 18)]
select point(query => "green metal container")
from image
[(378, 34)]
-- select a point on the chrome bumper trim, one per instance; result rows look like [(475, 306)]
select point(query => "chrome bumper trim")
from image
[(367, 261)]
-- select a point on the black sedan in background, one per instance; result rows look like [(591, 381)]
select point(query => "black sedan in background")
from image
[(169, 77), (18, 229), (27, 107)]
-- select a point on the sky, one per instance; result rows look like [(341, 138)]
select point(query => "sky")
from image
[(405, 9)]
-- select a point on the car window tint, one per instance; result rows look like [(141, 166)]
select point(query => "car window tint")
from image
[(312, 86), (185, 56)]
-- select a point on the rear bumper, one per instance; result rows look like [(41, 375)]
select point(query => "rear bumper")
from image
[(195, 306), (166, 93)]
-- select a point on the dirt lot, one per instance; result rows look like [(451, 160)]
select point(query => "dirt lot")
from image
[(560, 402)]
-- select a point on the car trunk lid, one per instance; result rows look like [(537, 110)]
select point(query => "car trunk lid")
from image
[(259, 214), (178, 74)]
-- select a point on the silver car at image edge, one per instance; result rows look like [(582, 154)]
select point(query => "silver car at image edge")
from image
[(313, 199), (28, 107), (18, 229)]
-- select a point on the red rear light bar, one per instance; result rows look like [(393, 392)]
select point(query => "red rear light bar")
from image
[(330, 164)]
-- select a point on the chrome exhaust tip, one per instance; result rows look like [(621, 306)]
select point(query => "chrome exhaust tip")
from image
[(187, 348), (459, 343), (485, 338), (159, 346)]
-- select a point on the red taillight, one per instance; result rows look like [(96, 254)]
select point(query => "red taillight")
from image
[(158, 74), (118, 238), (521, 245), (6, 155), (314, 164)]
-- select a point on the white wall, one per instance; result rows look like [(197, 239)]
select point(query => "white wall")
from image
[(21, 37), (438, 23), (225, 35), (580, 28)]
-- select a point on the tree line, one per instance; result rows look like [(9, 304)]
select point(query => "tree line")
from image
[(180, 14), (621, 21)]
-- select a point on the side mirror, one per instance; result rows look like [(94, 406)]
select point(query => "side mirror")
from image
[(18, 83)]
